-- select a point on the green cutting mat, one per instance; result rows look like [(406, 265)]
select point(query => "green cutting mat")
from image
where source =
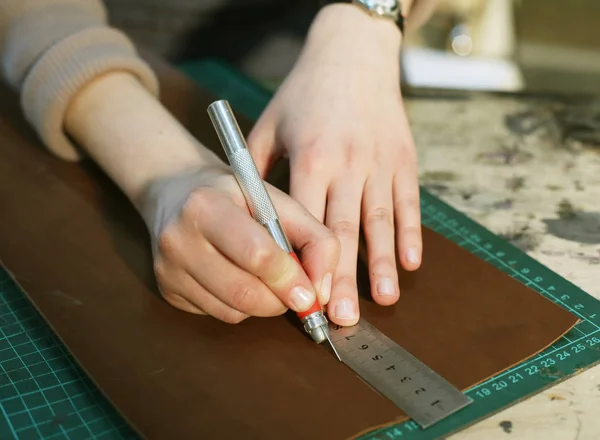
[(44, 394)]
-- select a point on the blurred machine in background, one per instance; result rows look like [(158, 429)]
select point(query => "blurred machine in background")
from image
[(509, 45)]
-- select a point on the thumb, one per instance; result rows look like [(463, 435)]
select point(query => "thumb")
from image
[(262, 145), (317, 246)]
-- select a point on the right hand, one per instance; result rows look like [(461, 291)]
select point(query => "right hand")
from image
[(211, 257)]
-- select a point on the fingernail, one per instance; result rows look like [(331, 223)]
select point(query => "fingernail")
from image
[(344, 309), (412, 256), (386, 287), (301, 298), (326, 287)]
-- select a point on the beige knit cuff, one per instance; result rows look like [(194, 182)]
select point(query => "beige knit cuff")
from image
[(66, 68)]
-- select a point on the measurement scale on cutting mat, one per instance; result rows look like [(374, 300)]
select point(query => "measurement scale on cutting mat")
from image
[(44, 394)]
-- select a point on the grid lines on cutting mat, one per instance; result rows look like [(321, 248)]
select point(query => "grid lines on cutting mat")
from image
[(93, 417), (46, 395), (43, 392), (576, 350)]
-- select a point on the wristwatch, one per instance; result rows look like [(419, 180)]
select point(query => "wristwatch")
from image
[(390, 9)]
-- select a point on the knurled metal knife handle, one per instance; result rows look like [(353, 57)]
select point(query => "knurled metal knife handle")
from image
[(244, 169), (258, 200)]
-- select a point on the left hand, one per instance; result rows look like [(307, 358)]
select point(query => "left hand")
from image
[(340, 119)]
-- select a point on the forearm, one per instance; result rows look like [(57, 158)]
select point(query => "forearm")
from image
[(128, 132)]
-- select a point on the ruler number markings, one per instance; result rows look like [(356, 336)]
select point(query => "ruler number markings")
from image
[(548, 362), (420, 392), (367, 348)]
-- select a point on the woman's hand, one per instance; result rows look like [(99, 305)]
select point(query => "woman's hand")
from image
[(340, 119), (212, 257)]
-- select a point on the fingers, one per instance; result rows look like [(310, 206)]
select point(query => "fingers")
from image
[(183, 292), (250, 249), (308, 187), (181, 303), (230, 286), (204, 300), (343, 218), (407, 211), (378, 225), (262, 145), (194, 270), (318, 247)]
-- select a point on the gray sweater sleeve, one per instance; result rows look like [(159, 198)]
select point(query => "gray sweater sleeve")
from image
[(50, 49)]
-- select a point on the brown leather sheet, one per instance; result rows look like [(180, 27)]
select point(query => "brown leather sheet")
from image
[(82, 255)]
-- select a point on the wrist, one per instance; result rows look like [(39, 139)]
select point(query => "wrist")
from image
[(128, 132), (345, 21)]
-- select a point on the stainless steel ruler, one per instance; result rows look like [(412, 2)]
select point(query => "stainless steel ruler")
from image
[(425, 396)]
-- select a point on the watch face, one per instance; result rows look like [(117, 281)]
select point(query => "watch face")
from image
[(381, 5), (388, 5)]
